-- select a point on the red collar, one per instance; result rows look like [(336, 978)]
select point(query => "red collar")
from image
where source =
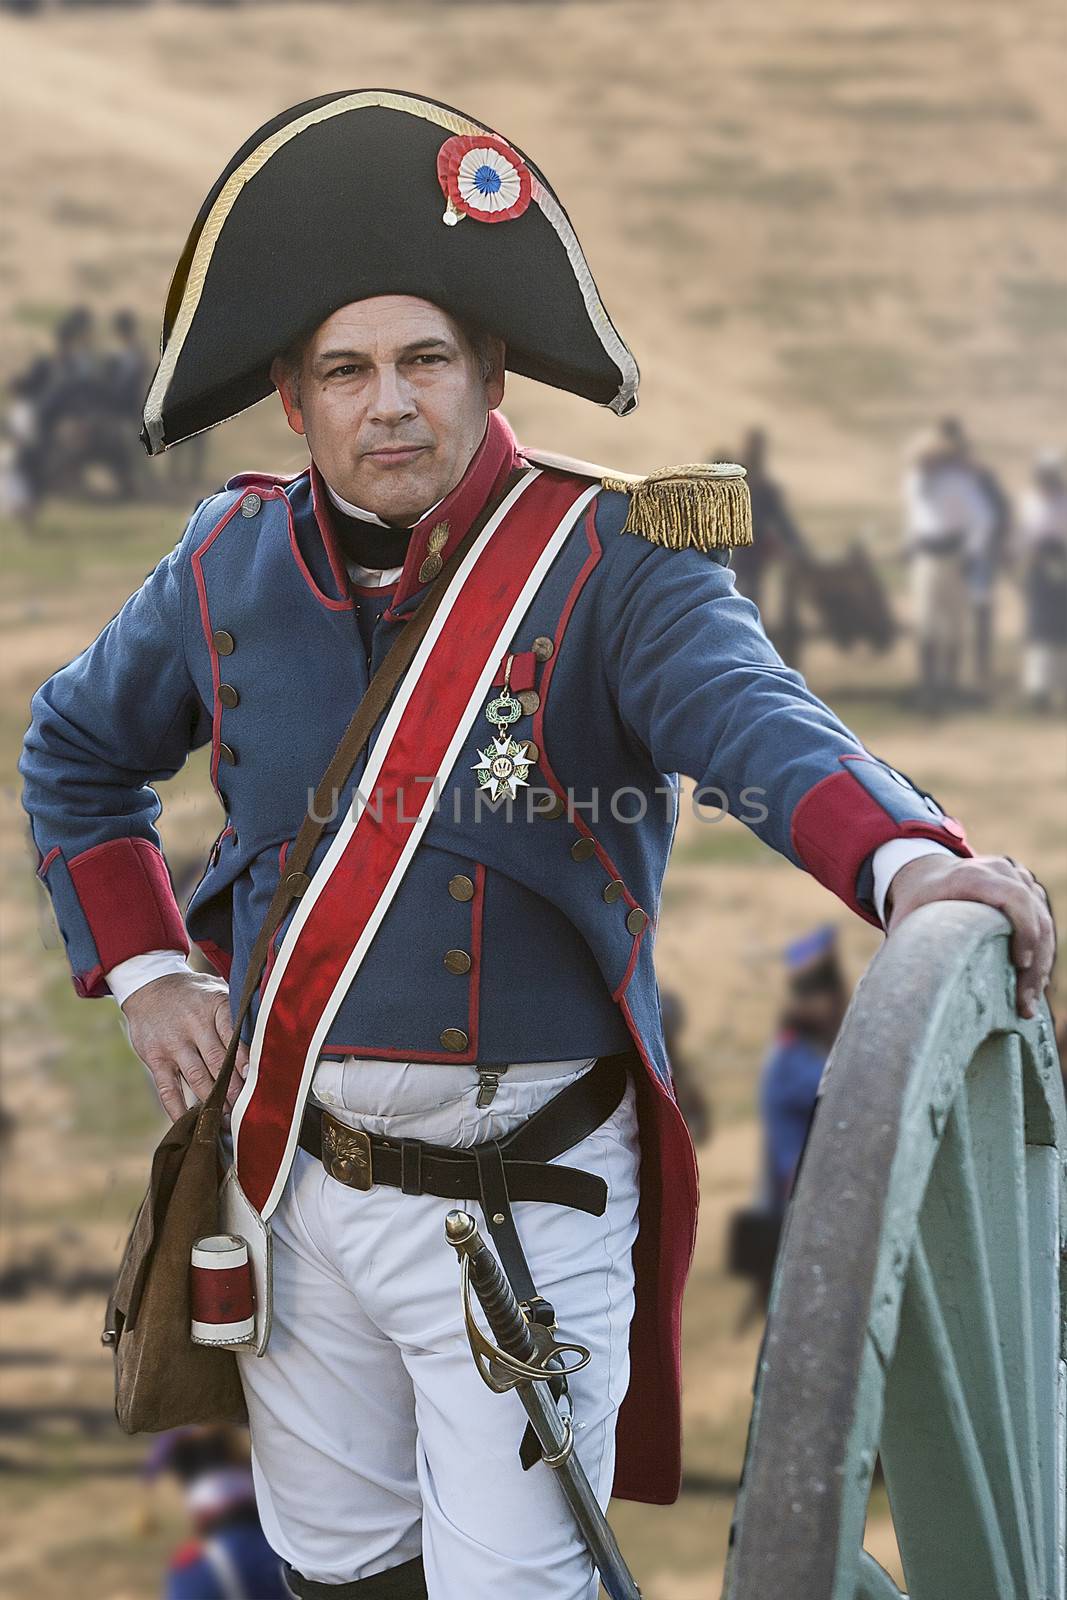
[(486, 474)]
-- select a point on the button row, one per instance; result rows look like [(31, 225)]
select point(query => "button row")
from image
[(223, 643), (584, 849)]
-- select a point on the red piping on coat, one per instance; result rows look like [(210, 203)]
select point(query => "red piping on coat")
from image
[(333, 554), (630, 965), (53, 855), (221, 960), (596, 550), (326, 535), (90, 985)]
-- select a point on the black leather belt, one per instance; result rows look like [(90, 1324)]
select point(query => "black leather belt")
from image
[(359, 1160)]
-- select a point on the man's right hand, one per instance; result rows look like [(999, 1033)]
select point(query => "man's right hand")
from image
[(180, 1025)]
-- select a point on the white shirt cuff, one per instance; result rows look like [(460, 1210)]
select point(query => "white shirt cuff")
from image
[(131, 975), (890, 857)]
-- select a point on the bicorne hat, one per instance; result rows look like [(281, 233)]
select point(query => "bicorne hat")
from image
[(365, 193)]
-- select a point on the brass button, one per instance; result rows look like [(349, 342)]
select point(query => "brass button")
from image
[(457, 961), (636, 920), (556, 809), (543, 647), (454, 1039), (582, 849), (532, 751), (223, 642), (228, 695), (296, 882), (461, 887), (430, 568), (251, 505), (613, 890), (529, 700), (228, 754)]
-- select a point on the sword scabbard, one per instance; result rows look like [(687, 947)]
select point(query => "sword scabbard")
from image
[(526, 1358)]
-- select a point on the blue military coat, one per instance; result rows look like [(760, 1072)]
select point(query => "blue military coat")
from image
[(641, 662)]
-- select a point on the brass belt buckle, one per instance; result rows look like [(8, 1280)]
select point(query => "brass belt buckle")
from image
[(346, 1153)]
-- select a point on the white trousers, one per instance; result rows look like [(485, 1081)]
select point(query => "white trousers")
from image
[(373, 1438)]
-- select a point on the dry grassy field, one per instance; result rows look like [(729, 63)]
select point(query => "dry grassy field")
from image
[(836, 220)]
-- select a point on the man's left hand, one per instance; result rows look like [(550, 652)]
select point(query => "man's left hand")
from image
[(994, 881)]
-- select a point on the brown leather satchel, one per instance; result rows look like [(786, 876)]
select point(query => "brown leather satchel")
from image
[(162, 1379)]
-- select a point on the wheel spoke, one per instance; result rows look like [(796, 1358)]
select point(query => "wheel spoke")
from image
[(1042, 1184), (874, 1581), (995, 1101), (953, 1235), (944, 1515)]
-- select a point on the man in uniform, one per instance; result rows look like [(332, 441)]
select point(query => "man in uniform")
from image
[(471, 944)]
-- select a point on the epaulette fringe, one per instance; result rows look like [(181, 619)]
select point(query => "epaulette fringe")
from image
[(700, 506)]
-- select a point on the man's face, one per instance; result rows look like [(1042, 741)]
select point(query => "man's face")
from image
[(393, 403)]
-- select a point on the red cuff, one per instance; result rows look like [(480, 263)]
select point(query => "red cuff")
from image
[(838, 826), (221, 960), (124, 890)]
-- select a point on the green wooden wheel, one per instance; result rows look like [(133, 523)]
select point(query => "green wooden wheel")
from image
[(918, 1306)]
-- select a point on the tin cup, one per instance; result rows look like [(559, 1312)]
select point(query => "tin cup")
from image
[(221, 1291)]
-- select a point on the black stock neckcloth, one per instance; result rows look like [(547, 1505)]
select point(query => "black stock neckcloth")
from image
[(367, 543)]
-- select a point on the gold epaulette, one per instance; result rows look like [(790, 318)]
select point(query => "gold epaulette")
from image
[(700, 506)]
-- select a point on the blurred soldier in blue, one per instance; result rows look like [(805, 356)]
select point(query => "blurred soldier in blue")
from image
[(789, 1087), (793, 1068), (228, 1557)]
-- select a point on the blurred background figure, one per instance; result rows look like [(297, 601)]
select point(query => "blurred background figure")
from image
[(53, 395), (126, 371), (986, 550), (74, 415), (775, 535), (228, 1557), (946, 516), (693, 1101), (816, 999), (1041, 556)]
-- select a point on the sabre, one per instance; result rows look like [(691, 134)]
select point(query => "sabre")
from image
[(526, 1358)]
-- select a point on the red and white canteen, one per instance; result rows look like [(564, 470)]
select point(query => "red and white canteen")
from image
[(482, 177)]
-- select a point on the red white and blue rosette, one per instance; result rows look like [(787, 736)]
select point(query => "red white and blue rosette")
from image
[(482, 177)]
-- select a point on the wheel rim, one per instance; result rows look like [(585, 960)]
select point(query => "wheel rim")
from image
[(917, 1307)]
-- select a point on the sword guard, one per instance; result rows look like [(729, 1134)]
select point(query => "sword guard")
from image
[(532, 1354), (500, 1371)]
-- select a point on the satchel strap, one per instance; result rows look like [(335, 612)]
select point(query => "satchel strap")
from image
[(396, 662)]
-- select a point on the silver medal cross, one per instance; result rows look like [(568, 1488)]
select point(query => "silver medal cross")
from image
[(505, 767)]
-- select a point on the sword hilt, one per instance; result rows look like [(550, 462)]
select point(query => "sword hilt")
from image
[(503, 1313)]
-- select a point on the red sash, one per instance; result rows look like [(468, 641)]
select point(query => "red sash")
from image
[(445, 689)]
